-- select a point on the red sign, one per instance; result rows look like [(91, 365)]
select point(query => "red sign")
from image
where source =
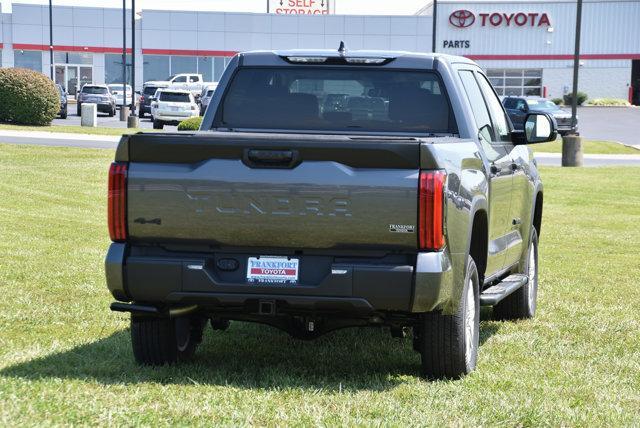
[(299, 7), (464, 18)]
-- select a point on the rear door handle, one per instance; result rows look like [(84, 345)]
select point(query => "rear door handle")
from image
[(514, 166)]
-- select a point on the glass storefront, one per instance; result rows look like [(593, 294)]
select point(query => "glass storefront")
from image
[(516, 82), (28, 59), (159, 67), (113, 68)]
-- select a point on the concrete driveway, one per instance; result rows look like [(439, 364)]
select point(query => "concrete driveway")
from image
[(619, 124)]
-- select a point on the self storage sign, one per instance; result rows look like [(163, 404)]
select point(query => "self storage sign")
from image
[(299, 7)]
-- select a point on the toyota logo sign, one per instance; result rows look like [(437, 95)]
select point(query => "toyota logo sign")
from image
[(462, 18)]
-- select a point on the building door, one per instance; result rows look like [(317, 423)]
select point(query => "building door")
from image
[(635, 82), (72, 80)]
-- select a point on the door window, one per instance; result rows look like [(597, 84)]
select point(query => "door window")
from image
[(479, 108), (180, 79), (498, 116)]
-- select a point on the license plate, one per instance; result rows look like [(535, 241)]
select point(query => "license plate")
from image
[(272, 270), (175, 108)]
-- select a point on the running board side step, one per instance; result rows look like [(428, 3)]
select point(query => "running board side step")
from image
[(137, 309), (494, 294)]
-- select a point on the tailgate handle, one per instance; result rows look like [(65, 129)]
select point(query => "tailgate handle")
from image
[(258, 158)]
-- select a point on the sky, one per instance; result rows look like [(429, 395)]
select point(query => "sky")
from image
[(343, 7)]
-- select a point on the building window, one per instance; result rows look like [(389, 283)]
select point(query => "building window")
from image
[(184, 64), (516, 81), (113, 68), (84, 58), (28, 59), (159, 67)]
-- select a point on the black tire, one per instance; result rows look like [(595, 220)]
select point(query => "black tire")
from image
[(112, 112), (159, 341), (79, 110), (63, 115), (220, 324), (142, 113), (449, 344), (158, 124), (523, 302)]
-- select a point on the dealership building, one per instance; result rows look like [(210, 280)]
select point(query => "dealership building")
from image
[(526, 47)]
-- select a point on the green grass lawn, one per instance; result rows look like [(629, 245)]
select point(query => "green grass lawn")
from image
[(591, 147), (75, 129), (66, 359)]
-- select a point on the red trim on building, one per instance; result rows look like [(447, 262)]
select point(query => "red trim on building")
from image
[(630, 94), (187, 52), (551, 57), (544, 92), (60, 48), (1, 46)]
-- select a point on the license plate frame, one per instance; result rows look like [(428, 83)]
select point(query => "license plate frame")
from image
[(273, 270)]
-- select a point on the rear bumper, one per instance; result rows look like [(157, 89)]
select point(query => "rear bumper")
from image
[(346, 286), (164, 117)]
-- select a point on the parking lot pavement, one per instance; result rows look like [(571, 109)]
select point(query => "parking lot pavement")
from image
[(105, 121), (610, 123)]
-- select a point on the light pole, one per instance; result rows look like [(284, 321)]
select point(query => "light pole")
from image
[(133, 57), (572, 143), (123, 108), (433, 29), (51, 38)]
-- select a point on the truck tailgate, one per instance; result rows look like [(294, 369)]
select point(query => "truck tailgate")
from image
[(273, 190)]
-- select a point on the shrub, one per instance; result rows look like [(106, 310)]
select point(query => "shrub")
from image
[(568, 98), (608, 102), (557, 101), (191, 124), (27, 97)]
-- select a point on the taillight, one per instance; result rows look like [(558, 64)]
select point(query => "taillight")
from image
[(141, 99), (431, 200), (117, 201)]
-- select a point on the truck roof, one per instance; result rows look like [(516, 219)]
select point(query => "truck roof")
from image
[(400, 59)]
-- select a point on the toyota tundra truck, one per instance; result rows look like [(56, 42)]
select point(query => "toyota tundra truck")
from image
[(331, 189)]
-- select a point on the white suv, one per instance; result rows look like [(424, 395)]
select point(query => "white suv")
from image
[(171, 106)]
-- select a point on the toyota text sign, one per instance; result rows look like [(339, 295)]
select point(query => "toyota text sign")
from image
[(465, 18)]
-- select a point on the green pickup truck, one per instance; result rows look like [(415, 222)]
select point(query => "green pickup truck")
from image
[(331, 189)]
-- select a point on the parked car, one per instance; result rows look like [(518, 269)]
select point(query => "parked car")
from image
[(191, 82), (171, 106), (519, 107), (148, 91), (99, 95), (63, 101), (117, 89), (409, 217), (205, 97)]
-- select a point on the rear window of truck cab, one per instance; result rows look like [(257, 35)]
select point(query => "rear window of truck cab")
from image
[(174, 97), (336, 100)]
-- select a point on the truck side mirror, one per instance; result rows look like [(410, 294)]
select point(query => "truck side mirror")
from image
[(540, 128)]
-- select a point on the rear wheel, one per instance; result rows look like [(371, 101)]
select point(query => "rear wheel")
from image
[(522, 303), (158, 124), (79, 109), (158, 341), (449, 344)]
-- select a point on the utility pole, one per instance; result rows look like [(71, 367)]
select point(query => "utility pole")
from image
[(433, 30), (51, 38)]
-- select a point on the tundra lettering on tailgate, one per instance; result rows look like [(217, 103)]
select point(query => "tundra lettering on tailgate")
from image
[(277, 205)]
